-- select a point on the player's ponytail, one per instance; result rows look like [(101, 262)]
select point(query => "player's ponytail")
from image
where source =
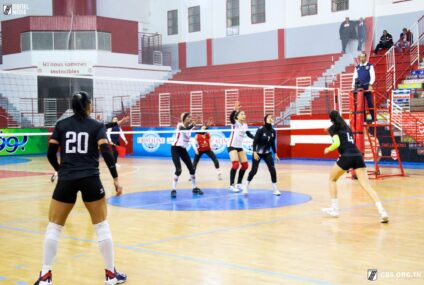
[(338, 122), (80, 102)]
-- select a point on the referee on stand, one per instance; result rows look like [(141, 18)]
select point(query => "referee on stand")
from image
[(364, 78)]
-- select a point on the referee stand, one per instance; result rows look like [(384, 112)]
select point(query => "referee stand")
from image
[(378, 133)]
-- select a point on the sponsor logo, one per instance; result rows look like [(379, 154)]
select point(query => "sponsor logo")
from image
[(218, 142), (150, 142), (12, 143)]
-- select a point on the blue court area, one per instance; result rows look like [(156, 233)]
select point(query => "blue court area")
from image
[(212, 200), (12, 160)]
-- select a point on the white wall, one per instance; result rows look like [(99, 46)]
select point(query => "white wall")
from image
[(101, 58), (357, 9), (212, 18), (279, 14), (125, 9)]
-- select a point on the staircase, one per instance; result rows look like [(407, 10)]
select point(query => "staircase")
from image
[(304, 100), (410, 118), (15, 119)]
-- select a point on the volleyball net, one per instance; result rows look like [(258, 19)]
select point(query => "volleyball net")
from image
[(35, 100)]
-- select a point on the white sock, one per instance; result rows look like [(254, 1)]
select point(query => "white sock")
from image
[(335, 204), (379, 207), (274, 187), (104, 238), (193, 180), (175, 182), (51, 241)]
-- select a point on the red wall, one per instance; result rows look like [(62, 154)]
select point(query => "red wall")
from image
[(182, 55), (11, 33), (209, 52), (281, 54), (77, 7), (124, 34)]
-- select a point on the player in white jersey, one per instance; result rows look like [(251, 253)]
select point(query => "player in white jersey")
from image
[(179, 151), (235, 147)]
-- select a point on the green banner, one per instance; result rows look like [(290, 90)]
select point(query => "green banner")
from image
[(19, 145)]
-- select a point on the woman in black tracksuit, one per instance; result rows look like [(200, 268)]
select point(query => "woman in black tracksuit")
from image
[(263, 142)]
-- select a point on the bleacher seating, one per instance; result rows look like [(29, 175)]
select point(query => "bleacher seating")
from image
[(5, 119), (271, 72)]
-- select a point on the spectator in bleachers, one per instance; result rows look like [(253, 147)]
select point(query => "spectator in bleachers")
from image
[(364, 77), (362, 33), (386, 41), (405, 40), (346, 32)]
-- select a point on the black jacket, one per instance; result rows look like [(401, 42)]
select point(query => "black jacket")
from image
[(264, 140)]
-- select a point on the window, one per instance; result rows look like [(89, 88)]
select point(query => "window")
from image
[(309, 7), (104, 41), (85, 40), (339, 5), (194, 19), (233, 17), (258, 11), (64, 40), (173, 22), (42, 40), (25, 41)]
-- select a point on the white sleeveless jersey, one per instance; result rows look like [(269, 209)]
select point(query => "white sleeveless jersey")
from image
[(182, 139), (237, 135)]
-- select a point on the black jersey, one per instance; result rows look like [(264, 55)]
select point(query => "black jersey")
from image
[(264, 140), (347, 144), (79, 150)]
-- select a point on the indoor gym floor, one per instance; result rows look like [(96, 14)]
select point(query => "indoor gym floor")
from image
[(292, 244)]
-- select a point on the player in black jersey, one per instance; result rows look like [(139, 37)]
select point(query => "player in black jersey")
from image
[(79, 138), (350, 158), (263, 142), (107, 126)]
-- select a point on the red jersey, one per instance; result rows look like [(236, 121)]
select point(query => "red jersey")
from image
[(203, 142)]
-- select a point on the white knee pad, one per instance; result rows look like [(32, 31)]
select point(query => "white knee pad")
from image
[(53, 231), (103, 231)]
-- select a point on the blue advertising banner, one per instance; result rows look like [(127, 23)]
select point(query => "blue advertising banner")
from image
[(157, 143)]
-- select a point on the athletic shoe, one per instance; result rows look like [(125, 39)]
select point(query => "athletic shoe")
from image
[(174, 194), (276, 192), (46, 279), (53, 178), (246, 189), (234, 189), (240, 187), (384, 217), (219, 176), (331, 212), (196, 190), (113, 278)]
